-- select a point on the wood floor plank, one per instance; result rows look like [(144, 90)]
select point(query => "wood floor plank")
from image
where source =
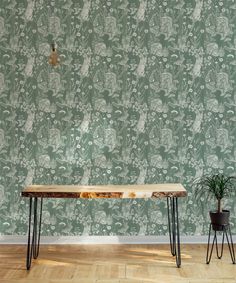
[(114, 264)]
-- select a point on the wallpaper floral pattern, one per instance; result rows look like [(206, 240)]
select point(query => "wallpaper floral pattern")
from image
[(145, 93)]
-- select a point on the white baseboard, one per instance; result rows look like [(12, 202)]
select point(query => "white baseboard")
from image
[(70, 240)]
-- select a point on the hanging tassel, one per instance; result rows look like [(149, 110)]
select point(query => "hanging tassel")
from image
[(54, 58)]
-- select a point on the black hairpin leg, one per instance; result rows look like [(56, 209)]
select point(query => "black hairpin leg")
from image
[(34, 240), (170, 209), (173, 225), (230, 244)]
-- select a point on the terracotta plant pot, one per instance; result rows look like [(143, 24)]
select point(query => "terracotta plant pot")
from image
[(219, 219)]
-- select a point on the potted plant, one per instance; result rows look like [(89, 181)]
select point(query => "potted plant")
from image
[(217, 186)]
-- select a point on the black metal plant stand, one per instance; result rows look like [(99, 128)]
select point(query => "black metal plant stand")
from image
[(225, 231), (173, 225), (34, 240)]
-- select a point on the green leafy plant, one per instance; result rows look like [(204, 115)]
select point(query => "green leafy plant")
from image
[(217, 186)]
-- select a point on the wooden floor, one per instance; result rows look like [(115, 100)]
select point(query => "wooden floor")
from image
[(113, 264)]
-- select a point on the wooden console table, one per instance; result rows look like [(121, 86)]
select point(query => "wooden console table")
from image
[(169, 191)]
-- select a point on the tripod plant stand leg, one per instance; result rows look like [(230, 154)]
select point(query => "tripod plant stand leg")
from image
[(230, 245), (208, 256)]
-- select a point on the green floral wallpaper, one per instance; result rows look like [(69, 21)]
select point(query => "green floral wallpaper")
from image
[(145, 93)]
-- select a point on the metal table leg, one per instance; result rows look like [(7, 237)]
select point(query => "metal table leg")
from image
[(170, 208), (34, 240), (173, 225)]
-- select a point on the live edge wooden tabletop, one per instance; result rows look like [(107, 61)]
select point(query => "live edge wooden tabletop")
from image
[(105, 191)]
